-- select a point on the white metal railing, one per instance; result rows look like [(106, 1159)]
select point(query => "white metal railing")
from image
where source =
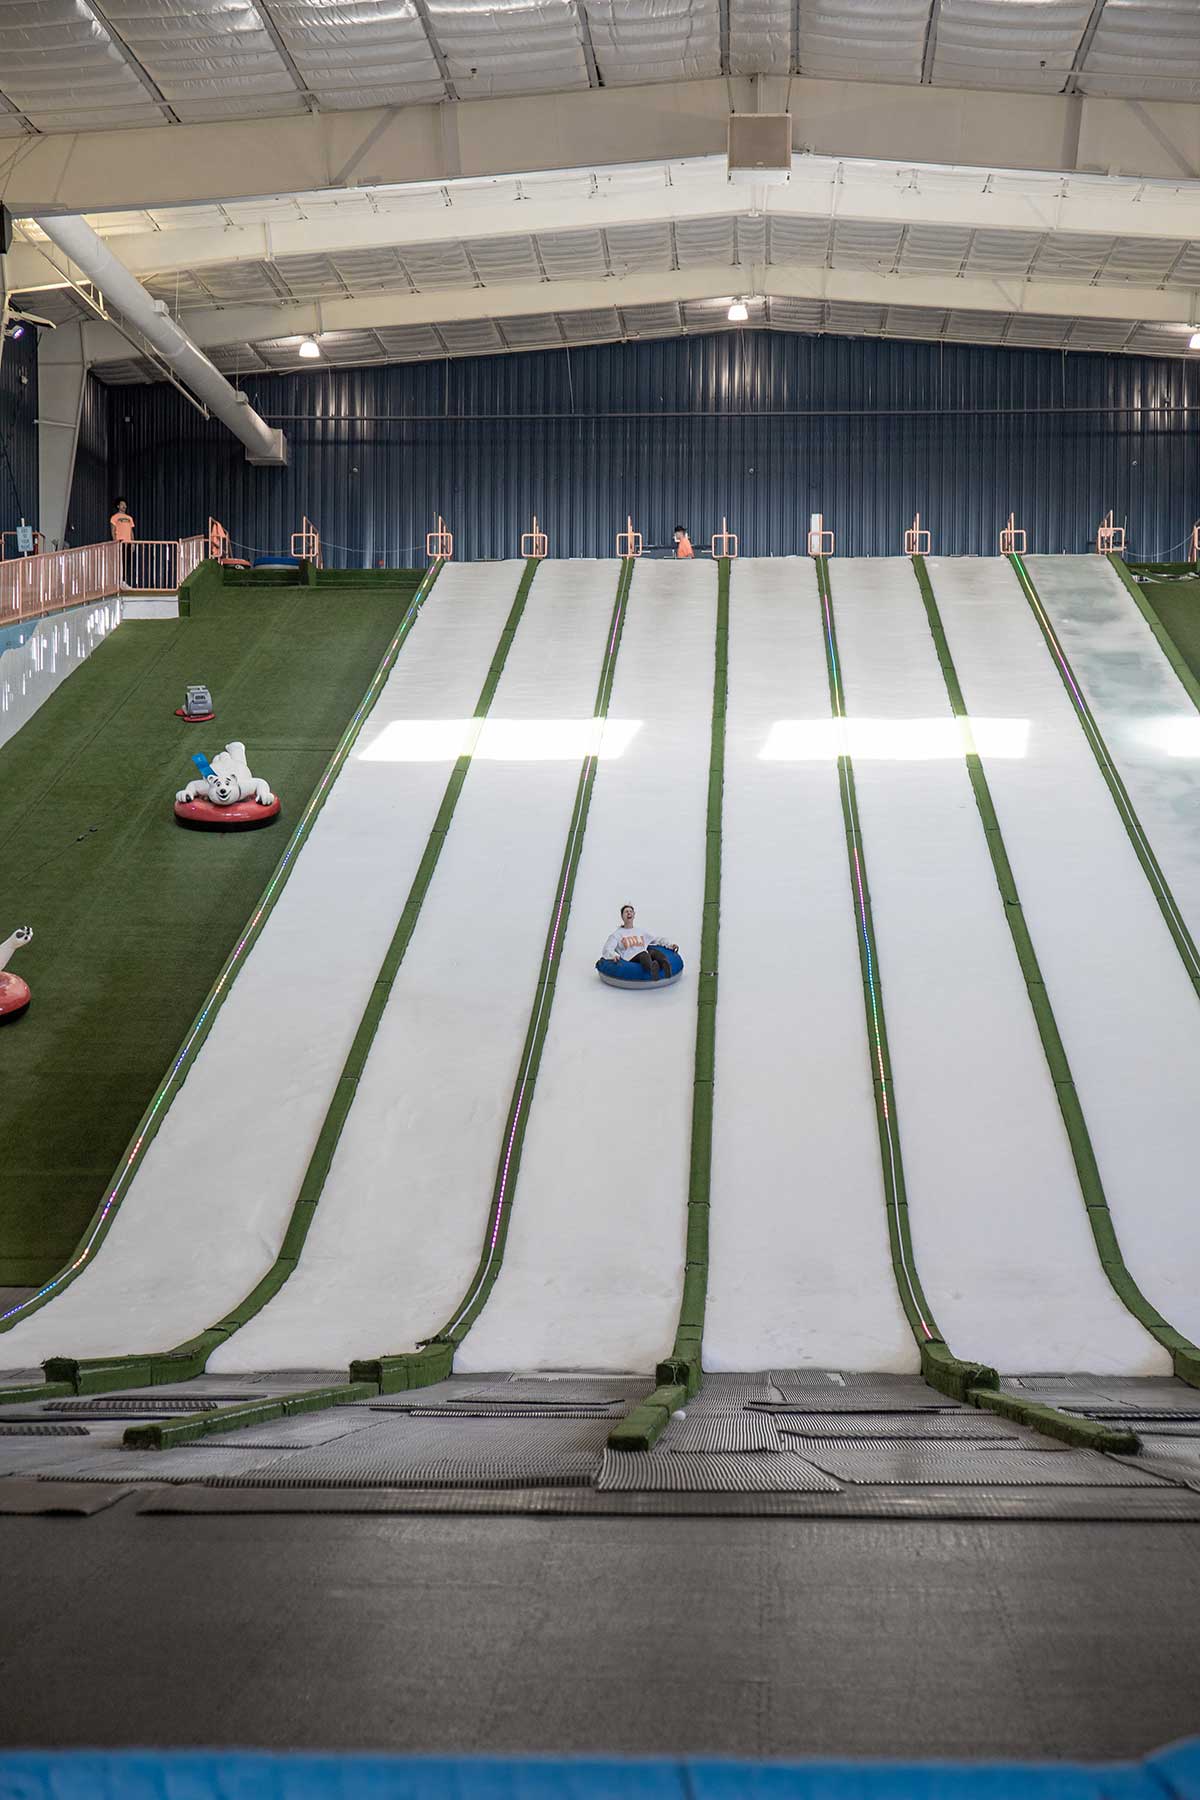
[(33, 585), (1194, 543), (160, 565)]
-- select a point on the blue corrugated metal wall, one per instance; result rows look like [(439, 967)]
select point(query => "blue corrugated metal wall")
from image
[(91, 501), (18, 432), (764, 427)]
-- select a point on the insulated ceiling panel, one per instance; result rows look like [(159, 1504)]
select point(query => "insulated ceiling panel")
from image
[(934, 250), (1145, 47), (359, 52), (1026, 44), (634, 248), (860, 40), (438, 266), (760, 36), (703, 241), (655, 40), (520, 47), (573, 255), (504, 259), (65, 72), (209, 59)]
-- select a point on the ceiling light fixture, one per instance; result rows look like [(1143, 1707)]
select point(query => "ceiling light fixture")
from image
[(1194, 341), (309, 347), (739, 312)]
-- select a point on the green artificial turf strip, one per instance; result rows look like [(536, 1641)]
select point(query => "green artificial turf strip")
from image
[(1175, 607), (134, 920)]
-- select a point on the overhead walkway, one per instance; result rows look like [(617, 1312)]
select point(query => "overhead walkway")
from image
[(799, 1264), (593, 1266), (998, 1224), (208, 1206), (1127, 1011), (396, 1237)]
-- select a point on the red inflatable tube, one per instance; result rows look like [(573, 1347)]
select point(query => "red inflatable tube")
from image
[(14, 997), (243, 815), (194, 718)]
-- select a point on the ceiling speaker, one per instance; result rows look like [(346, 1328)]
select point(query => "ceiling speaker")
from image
[(760, 147)]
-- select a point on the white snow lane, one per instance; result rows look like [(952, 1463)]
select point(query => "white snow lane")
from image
[(800, 1267), (999, 1229), (206, 1212), (1129, 1017), (1149, 724), (593, 1270), (398, 1233)]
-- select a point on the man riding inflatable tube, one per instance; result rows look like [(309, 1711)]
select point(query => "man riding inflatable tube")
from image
[(627, 950)]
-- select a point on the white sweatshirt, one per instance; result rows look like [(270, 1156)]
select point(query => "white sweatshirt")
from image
[(624, 945)]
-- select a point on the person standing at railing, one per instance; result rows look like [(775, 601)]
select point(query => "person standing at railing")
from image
[(121, 524)]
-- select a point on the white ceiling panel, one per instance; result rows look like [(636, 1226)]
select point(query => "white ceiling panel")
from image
[(65, 72), (208, 58), (438, 266), (505, 259), (653, 321), (863, 245), (934, 250), (633, 248), (701, 241), (572, 255), (362, 53)]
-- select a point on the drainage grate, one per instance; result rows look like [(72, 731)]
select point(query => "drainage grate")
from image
[(1133, 1415), (140, 1407), (630, 1471), (735, 1431), (34, 1429), (814, 1389), (972, 1465)]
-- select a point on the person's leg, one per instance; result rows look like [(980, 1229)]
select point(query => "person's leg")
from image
[(661, 959), (646, 961)]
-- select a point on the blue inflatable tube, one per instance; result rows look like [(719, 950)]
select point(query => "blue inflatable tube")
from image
[(621, 974), (277, 562)]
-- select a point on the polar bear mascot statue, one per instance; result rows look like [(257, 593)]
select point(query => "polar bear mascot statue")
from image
[(228, 780), (14, 993), (21, 936)]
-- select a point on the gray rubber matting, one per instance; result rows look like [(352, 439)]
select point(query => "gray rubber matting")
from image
[(32, 1428), (110, 1406), (954, 1426), (986, 1465), (782, 1472), (717, 1431)]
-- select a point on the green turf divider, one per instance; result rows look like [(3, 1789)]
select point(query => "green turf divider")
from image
[(110, 1372), (939, 1366), (165, 1434), (1166, 642), (1083, 1434), (189, 1359), (1160, 887), (41, 1390), (1183, 1354), (682, 1374), (434, 1360)]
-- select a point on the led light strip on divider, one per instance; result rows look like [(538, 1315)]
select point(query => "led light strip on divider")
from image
[(433, 1359), (1185, 1355), (186, 1055)]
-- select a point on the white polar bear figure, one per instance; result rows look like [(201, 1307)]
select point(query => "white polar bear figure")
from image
[(230, 780), (22, 935)]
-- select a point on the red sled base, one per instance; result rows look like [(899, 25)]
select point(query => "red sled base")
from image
[(14, 998), (194, 718), (243, 815)]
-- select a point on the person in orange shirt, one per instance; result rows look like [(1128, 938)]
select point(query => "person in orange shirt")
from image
[(122, 524), (683, 543)]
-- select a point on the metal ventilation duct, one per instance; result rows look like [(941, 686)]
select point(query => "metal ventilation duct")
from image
[(76, 238)]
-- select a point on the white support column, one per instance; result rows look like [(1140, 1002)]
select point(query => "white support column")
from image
[(62, 377)]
